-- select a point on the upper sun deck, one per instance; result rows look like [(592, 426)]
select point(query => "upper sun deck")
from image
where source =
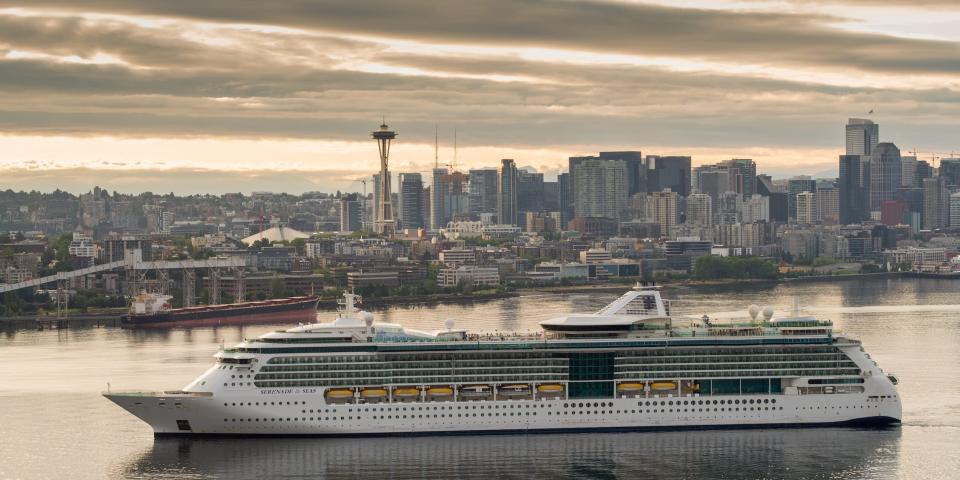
[(638, 318)]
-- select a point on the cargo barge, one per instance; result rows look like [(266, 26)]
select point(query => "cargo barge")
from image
[(152, 310)]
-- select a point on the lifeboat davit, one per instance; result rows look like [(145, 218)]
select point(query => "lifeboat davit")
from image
[(475, 391), (514, 390)]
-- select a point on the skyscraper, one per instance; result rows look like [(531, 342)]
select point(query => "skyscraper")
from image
[(743, 175), (600, 187), (565, 197), (950, 171), (936, 203), (862, 136), (530, 194), (854, 188), (668, 172), (756, 209), (885, 171), (955, 210), (483, 192), (411, 201), (908, 169), (439, 190), (507, 192)]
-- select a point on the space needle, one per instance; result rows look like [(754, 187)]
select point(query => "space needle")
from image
[(384, 222)]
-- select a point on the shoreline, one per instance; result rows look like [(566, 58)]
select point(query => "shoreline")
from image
[(112, 318)]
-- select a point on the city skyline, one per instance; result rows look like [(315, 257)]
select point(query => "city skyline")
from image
[(138, 96)]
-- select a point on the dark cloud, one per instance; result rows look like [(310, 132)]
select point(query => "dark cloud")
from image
[(599, 26)]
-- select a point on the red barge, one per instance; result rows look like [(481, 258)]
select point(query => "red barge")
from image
[(151, 310)]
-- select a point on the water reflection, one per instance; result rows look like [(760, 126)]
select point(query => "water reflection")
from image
[(811, 453)]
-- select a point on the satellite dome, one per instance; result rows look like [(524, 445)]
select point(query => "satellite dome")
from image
[(449, 323), (768, 313), (753, 310), (367, 318)]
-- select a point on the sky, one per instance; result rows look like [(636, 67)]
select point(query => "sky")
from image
[(213, 96)]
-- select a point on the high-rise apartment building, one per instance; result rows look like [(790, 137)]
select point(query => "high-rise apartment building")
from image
[(885, 171), (806, 208), (410, 210), (828, 203), (699, 210), (756, 209), (665, 205), (507, 192), (600, 187), (862, 136)]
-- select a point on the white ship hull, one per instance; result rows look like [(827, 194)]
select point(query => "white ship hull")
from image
[(307, 414)]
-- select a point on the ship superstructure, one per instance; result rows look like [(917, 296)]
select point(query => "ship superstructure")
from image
[(629, 366)]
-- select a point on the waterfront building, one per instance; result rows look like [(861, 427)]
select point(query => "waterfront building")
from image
[(920, 258), (595, 255), (469, 275)]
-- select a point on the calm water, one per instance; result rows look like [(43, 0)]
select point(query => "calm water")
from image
[(54, 423)]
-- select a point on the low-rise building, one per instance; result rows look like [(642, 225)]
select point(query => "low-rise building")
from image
[(470, 275)]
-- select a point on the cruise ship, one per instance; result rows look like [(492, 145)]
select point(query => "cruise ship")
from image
[(629, 366)]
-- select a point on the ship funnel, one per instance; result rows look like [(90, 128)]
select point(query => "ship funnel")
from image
[(767, 313), (753, 310)]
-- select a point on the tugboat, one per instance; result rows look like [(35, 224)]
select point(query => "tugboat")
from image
[(154, 311)]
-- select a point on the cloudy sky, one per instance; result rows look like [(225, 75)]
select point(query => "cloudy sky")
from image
[(242, 95)]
